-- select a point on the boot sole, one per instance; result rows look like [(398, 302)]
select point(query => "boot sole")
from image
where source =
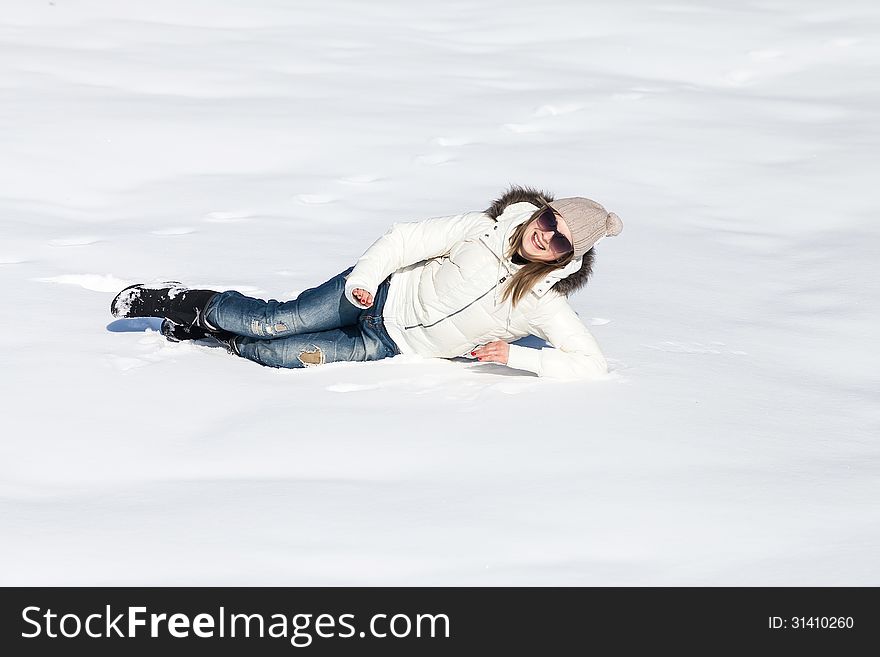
[(117, 309)]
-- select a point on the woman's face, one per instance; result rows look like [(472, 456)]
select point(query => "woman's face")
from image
[(535, 244)]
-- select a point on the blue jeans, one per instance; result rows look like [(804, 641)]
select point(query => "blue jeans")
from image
[(320, 326)]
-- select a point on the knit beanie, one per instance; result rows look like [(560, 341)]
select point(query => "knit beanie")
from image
[(588, 221)]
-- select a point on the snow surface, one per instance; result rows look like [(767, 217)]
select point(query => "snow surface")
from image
[(263, 145)]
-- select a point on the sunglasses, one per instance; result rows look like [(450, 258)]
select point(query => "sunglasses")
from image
[(559, 243)]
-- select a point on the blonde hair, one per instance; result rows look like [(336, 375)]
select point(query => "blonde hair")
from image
[(522, 282)]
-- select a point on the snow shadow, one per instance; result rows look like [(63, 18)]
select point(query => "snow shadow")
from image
[(135, 325)]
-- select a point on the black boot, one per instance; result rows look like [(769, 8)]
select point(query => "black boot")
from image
[(227, 339), (180, 332), (170, 300)]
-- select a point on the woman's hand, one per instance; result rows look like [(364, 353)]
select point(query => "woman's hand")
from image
[(363, 297), (494, 352)]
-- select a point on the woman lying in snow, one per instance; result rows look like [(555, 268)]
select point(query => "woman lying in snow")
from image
[(464, 285)]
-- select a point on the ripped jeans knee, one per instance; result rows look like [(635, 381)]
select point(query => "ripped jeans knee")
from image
[(309, 357)]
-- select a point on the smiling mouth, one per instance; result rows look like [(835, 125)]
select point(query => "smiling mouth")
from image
[(536, 243)]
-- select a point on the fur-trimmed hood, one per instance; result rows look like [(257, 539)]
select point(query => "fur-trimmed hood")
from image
[(519, 194)]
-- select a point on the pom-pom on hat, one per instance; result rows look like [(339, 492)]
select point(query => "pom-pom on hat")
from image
[(588, 221)]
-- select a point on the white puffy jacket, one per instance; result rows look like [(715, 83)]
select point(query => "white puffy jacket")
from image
[(444, 297)]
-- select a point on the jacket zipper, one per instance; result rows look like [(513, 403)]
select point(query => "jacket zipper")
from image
[(457, 311)]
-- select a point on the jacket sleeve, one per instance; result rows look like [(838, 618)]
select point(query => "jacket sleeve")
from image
[(405, 244), (576, 355)]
